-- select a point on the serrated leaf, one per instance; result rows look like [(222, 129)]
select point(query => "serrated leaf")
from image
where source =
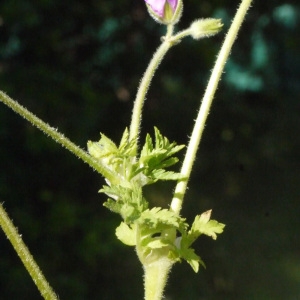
[(213, 227), (160, 140), (175, 149), (148, 146), (124, 139), (126, 234), (203, 225), (204, 217), (107, 144), (129, 203), (154, 160), (103, 148), (127, 147), (113, 206), (189, 255), (192, 259), (129, 212), (155, 216), (166, 175), (169, 162), (112, 192)]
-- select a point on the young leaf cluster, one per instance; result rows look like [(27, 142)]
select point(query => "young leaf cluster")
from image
[(131, 173), (155, 232)]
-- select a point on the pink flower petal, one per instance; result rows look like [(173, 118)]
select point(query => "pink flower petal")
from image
[(158, 5), (173, 4)]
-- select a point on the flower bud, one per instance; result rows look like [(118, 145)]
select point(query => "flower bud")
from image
[(205, 28), (167, 12)]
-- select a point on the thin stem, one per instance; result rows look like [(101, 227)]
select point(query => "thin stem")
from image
[(206, 104), (25, 256), (170, 29), (59, 138), (145, 83), (181, 34)]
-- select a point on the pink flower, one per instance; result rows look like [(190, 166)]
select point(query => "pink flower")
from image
[(158, 6)]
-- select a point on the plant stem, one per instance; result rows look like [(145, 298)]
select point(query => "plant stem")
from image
[(156, 275), (59, 138), (145, 83), (25, 256), (181, 186), (156, 266)]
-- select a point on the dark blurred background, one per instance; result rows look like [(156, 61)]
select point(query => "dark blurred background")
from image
[(77, 65)]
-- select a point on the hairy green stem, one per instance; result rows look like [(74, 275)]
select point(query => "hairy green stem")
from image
[(25, 256), (145, 83), (156, 266), (156, 275), (181, 186), (59, 138)]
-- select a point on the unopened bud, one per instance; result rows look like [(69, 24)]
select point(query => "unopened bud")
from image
[(205, 28)]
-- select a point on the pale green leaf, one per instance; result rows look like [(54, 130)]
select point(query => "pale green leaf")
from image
[(127, 147), (154, 160), (126, 234), (157, 243), (113, 206), (189, 255), (166, 175), (203, 225), (193, 259), (212, 228), (124, 139), (156, 216)]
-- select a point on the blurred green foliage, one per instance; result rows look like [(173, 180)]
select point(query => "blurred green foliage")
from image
[(77, 65)]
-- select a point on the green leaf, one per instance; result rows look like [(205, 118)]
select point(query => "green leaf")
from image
[(128, 211), (192, 259), (165, 175), (188, 254), (113, 206), (126, 234), (114, 192), (124, 139), (128, 202), (169, 162), (203, 225), (127, 147), (104, 148), (158, 216), (148, 146), (154, 160), (156, 243)]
